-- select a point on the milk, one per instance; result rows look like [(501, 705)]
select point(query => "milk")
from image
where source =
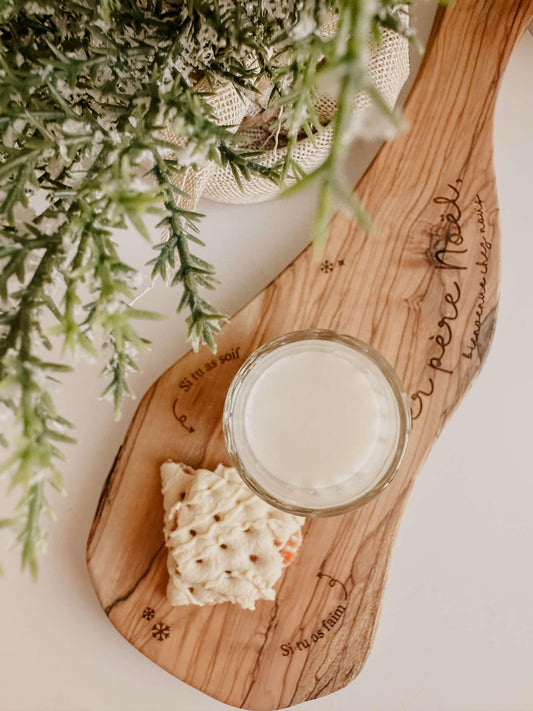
[(312, 418), (315, 423)]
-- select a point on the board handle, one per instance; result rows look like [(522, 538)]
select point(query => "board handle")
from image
[(461, 54)]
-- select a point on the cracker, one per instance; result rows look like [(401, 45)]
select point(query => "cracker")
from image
[(225, 544)]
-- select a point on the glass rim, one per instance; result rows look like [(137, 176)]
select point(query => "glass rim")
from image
[(393, 380)]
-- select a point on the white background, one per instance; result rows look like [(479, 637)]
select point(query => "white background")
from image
[(456, 629)]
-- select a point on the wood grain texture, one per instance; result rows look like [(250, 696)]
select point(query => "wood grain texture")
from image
[(423, 290)]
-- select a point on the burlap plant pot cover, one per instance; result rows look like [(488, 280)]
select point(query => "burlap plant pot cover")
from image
[(389, 69)]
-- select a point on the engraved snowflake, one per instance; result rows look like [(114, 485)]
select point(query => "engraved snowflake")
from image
[(160, 631), (148, 613), (327, 267)]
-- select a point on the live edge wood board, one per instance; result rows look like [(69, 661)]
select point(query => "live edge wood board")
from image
[(423, 290)]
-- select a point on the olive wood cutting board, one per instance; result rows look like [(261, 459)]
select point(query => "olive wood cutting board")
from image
[(423, 290)]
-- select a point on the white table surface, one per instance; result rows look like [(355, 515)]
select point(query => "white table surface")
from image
[(456, 628)]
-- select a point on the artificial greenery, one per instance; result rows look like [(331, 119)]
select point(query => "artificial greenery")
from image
[(85, 89)]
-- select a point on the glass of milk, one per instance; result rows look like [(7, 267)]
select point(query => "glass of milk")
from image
[(316, 422)]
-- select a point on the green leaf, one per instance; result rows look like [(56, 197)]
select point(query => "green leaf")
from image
[(139, 225), (146, 315), (7, 522)]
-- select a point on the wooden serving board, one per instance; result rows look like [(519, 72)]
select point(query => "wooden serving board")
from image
[(424, 292)]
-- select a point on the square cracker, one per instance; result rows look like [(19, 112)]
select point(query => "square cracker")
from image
[(225, 544)]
